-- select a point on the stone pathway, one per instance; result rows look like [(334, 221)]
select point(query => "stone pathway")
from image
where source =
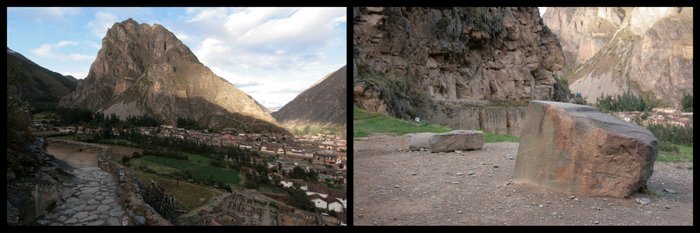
[(93, 203)]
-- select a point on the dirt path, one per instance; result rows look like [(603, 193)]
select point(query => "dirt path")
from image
[(393, 187), (94, 200), (73, 156)]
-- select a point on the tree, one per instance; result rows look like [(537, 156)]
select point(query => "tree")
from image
[(687, 103), (187, 123), (297, 173), (625, 102), (312, 175), (301, 201)]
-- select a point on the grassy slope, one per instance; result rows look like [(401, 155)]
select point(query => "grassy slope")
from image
[(685, 155), (186, 193), (367, 123), (199, 165)]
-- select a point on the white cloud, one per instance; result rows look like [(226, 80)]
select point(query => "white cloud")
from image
[(203, 14), (46, 51), (101, 23), (65, 43), (182, 36), (240, 22), (213, 52), (76, 74), (341, 19), (43, 50), (306, 27), (59, 12), (272, 54)]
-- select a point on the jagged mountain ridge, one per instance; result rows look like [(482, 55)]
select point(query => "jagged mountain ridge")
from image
[(144, 69), (39, 86), (610, 50), (323, 104)]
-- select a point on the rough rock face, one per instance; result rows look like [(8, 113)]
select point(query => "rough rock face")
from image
[(576, 149), (144, 69), (447, 142), (410, 57), (608, 50), (323, 104), (497, 119), (38, 85), (32, 196)]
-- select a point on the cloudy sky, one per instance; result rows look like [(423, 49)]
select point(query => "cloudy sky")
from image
[(273, 54)]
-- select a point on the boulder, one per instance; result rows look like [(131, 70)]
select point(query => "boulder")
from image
[(445, 142), (457, 140), (578, 150), (45, 197), (140, 220), (416, 141)]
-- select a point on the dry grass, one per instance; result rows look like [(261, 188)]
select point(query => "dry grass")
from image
[(186, 193)]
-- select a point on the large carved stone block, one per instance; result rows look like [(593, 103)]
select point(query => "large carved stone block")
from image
[(577, 149), (447, 142)]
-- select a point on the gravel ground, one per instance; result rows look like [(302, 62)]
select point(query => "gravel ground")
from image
[(395, 187)]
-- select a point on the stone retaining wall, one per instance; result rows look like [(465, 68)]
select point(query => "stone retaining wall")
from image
[(497, 119), (127, 189)]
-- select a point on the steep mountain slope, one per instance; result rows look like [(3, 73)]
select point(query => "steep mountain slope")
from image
[(35, 84), (323, 104), (143, 69), (609, 50), (433, 63)]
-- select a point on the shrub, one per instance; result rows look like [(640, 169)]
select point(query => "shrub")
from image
[(396, 91), (485, 19), (673, 134), (666, 146), (561, 90)]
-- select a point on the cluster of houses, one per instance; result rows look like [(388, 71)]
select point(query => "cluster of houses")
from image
[(323, 197), (304, 147), (660, 116)]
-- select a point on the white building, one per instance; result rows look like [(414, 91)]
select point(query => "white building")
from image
[(319, 202), (335, 206), (290, 183)]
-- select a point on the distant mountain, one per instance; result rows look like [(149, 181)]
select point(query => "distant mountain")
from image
[(647, 51), (322, 104), (144, 69), (274, 109), (38, 85)]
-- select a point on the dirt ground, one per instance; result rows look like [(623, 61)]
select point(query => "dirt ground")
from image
[(121, 151), (73, 156), (394, 187)]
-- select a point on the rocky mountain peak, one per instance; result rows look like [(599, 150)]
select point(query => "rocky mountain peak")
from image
[(144, 69)]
